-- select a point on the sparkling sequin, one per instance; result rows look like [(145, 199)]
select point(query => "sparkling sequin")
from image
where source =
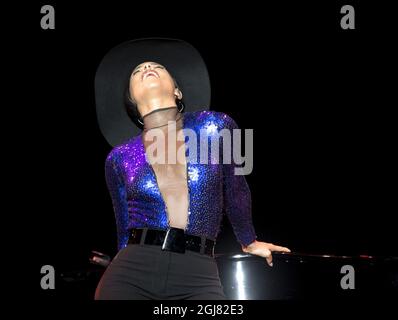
[(213, 189)]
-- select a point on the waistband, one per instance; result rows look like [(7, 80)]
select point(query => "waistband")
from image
[(173, 239)]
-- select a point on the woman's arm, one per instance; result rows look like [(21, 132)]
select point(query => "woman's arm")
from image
[(117, 191), (237, 199)]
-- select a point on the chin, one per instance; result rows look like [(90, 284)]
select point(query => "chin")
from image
[(155, 83)]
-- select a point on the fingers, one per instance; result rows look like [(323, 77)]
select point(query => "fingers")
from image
[(269, 260), (280, 249), (268, 257), (268, 253)]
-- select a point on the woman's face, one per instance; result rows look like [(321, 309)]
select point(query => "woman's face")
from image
[(151, 80)]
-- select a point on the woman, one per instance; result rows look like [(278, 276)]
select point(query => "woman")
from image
[(169, 212)]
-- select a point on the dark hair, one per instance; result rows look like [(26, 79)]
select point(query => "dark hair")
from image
[(131, 106)]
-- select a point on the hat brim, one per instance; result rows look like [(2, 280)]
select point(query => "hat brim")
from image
[(181, 59)]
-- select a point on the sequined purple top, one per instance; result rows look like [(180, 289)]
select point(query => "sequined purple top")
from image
[(213, 189)]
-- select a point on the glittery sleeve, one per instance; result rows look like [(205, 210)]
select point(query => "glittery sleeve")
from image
[(117, 191), (237, 198)]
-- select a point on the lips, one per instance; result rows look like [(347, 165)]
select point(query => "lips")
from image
[(148, 73)]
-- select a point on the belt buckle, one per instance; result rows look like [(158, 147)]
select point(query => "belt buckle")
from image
[(174, 240)]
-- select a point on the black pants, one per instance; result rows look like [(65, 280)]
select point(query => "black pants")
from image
[(140, 272)]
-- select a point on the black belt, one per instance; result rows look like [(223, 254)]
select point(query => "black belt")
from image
[(172, 239)]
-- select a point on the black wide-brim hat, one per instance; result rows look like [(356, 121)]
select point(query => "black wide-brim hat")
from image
[(180, 58)]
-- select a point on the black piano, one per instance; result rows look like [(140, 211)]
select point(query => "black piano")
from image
[(294, 276), (302, 276)]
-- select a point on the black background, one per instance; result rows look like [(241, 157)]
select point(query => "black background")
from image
[(321, 104)]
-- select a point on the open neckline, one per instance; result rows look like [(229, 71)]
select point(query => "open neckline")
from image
[(187, 179)]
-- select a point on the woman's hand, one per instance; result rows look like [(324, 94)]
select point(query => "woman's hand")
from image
[(263, 249)]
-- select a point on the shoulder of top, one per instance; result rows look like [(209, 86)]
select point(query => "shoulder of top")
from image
[(220, 118), (122, 148)]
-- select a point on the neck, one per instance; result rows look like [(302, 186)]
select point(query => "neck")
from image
[(154, 103), (160, 117)]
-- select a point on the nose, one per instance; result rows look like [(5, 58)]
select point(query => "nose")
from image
[(147, 66)]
